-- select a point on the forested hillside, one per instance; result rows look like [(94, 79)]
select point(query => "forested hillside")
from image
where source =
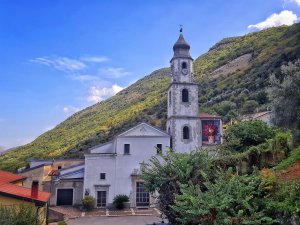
[(232, 76)]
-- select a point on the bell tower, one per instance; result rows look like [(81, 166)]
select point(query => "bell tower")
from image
[(183, 124)]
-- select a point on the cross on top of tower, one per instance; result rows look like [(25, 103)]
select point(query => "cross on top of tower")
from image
[(181, 28)]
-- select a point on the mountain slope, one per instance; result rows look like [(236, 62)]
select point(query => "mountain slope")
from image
[(232, 75)]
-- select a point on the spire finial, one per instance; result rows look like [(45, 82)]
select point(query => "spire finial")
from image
[(181, 27)]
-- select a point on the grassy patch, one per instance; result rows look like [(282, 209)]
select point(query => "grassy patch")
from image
[(294, 157)]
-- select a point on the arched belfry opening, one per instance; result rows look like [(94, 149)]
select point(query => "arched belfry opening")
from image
[(185, 95), (184, 65)]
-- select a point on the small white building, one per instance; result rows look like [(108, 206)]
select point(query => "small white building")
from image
[(113, 168)]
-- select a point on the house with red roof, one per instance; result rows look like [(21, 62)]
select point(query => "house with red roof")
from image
[(12, 193)]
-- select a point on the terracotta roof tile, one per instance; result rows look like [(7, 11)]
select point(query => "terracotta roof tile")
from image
[(6, 177), (14, 190), (207, 115)]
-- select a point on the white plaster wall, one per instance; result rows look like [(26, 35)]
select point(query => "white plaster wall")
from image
[(141, 149), (96, 164), (118, 168)]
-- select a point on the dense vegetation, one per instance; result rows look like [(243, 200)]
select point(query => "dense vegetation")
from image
[(241, 91), (285, 93), (19, 215), (234, 187)]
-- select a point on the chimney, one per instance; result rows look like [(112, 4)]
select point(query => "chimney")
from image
[(34, 189)]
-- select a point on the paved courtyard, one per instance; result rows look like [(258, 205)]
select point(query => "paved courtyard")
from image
[(122, 220)]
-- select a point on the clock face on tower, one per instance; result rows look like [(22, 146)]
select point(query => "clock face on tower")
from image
[(184, 71)]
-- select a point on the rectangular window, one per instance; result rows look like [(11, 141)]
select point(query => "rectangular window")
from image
[(126, 148), (102, 176), (159, 148)]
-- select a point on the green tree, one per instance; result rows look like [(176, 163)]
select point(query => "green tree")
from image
[(261, 97), (226, 109), (229, 199), (240, 136), (165, 173), (249, 106), (285, 95)]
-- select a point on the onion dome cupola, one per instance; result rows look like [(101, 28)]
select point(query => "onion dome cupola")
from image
[(181, 48)]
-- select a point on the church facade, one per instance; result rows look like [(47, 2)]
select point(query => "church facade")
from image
[(113, 168)]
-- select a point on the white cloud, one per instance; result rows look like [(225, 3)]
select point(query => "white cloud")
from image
[(98, 94), (70, 109), (294, 1), (94, 59), (83, 78), (64, 64), (283, 18), (114, 72)]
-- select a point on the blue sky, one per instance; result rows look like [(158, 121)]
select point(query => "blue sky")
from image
[(57, 57)]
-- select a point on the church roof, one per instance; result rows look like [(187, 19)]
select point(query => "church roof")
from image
[(181, 43), (144, 129), (181, 48), (204, 115)]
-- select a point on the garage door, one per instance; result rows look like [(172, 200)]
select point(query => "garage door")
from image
[(64, 196)]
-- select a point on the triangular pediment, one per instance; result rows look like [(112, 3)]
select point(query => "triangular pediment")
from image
[(143, 129)]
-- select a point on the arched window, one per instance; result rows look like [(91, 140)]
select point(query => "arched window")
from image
[(170, 97), (184, 65), (185, 95), (186, 132)]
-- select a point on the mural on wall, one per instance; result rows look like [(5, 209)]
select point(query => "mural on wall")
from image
[(211, 134)]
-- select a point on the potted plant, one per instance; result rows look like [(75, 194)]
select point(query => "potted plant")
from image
[(120, 201), (88, 203)]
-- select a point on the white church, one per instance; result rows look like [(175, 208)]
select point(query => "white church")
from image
[(113, 168)]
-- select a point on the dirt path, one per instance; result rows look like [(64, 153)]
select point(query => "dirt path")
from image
[(290, 173)]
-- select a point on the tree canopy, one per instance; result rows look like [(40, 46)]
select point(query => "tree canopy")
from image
[(285, 94)]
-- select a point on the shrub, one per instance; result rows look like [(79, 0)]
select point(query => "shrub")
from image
[(15, 215), (241, 136), (62, 223), (119, 201), (88, 203), (285, 203), (249, 106), (229, 199)]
